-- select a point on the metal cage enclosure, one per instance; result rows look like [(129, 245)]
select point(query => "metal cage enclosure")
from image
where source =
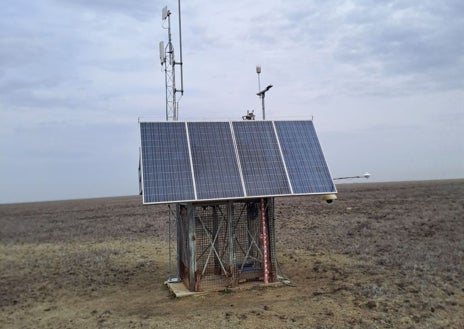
[(220, 244)]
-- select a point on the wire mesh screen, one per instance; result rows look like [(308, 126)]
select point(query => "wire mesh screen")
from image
[(248, 251), (220, 245), (213, 247)]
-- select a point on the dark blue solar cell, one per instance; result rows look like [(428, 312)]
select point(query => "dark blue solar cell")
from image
[(305, 162), (214, 160), (274, 158), (262, 167), (167, 174)]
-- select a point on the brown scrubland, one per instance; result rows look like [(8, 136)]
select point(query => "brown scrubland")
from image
[(384, 255)]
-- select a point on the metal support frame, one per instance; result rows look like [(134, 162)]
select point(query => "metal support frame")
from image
[(192, 265), (173, 277), (222, 244), (271, 237), (179, 239), (230, 225)]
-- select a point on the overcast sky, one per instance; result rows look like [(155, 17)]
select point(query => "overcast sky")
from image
[(384, 81)]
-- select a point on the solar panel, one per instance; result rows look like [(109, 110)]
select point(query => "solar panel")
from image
[(166, 169), (305, 162), (214, 160), (200, 161), (262, 165)]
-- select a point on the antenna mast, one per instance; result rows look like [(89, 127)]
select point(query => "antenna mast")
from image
[(168, 60)]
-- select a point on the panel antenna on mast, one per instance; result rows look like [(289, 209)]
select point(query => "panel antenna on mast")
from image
[(168, 60)]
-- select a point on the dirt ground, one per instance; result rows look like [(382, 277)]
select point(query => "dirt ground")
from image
[(385, 255)]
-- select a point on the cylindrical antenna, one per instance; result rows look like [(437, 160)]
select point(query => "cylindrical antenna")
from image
[(258, 70), (162, 53), (180, 53)]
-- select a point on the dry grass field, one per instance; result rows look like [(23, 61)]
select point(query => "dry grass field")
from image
[(385, 255)]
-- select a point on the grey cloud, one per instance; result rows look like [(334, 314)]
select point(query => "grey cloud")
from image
[(381, 48), (141, 9), (52, 58), (421, 41)]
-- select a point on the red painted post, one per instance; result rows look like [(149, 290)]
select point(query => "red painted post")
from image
[(264, 243)]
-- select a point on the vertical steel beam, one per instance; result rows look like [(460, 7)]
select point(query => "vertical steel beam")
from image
[(217, 265), (191, 247), (231, 235), (179, 239), (271, 233)]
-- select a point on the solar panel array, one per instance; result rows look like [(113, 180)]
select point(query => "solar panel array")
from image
[(200, 161)]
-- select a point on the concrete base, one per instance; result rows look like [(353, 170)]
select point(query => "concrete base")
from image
[(178, 289)]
